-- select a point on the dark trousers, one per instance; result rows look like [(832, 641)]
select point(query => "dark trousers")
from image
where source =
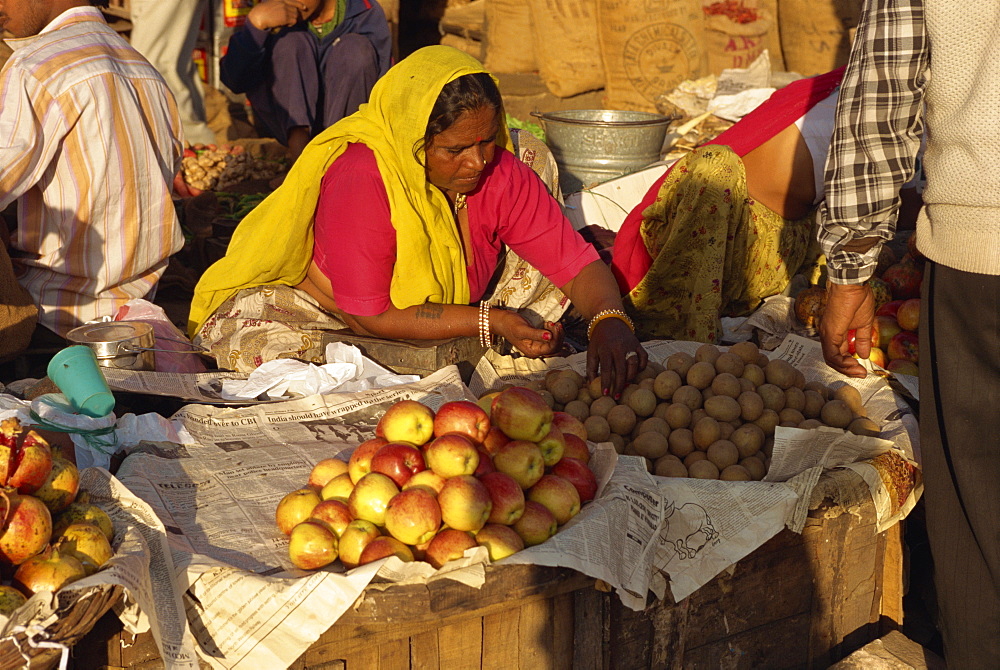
[(314, 84), (960, 446)]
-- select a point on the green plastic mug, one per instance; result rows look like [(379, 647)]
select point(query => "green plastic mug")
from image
[(76, 372)]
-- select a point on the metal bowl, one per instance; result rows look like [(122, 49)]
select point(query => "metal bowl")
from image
[(594, 145)]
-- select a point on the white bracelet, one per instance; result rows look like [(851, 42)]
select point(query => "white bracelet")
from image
[(484, 324)]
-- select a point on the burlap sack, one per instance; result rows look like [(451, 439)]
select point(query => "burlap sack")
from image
[(18, 314), (509, 44), (773, 40), (815, 33), (648, 48), (565, 35), (734, 45)]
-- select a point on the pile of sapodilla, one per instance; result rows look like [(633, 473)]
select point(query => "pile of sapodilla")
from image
[(708, 416)]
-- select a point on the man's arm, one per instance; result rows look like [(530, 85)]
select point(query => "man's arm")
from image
[(872, 154)]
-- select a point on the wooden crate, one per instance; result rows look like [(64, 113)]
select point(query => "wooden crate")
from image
[(799, 601)]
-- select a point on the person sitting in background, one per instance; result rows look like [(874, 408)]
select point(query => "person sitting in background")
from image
[(732, 222), (393, 223), (306, 64), (90, 147)]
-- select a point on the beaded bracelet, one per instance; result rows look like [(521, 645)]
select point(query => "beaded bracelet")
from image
[(609, 314), (484, 324)]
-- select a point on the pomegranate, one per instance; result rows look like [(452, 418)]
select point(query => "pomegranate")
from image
[(10, 600), (83, 511), (26, 527), (47, 571), (61, 487), (86, 543), (904, 279), (25, 465), (809, 305)]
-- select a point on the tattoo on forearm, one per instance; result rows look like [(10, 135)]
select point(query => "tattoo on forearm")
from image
[(429, 311)]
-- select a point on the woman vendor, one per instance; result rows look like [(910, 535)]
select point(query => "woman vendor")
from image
[(393, 221), (732, 222)]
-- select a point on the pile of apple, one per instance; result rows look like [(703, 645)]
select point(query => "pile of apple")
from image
[(710, 415), (50, 535), (429, 486)]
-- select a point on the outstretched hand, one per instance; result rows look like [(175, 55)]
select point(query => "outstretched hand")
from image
[(615, 353), (277, 14), (848, 307)]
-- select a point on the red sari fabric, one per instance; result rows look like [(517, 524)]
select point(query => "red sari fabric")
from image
[(631, 260)]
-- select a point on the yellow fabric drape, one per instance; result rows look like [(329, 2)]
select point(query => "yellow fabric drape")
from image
[(274, 244)]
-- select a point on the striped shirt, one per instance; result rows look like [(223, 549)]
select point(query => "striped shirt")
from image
[(89, 146), (877, 135)]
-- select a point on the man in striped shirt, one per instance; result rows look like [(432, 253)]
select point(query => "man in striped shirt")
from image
[(89, 146)]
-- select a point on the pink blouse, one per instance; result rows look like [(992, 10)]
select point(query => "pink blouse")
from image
[(355, 243)]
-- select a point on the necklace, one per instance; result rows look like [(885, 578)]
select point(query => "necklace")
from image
[(460, 203)]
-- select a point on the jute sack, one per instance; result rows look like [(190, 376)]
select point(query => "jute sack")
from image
[(18, 314), (815, 33), (773, 40), (648, 48), (565, 33), (509, 43), (734, 45)]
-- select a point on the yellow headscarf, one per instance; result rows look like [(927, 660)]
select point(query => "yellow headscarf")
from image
[(274, 244)]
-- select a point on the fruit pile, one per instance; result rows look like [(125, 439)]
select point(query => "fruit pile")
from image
[(711, 415), (210, 168), (896, 287), (430, 485), (49, 535)]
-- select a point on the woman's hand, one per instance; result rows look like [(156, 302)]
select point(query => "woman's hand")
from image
[(277, 14), (616, 352), (530, 341)]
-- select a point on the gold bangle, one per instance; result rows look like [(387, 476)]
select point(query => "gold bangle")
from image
[(609, 314)]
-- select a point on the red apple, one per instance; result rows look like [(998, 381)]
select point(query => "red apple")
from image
[(506, 495), (521, 414), (900, 366), (295, 508), (485, 463), (413, 516), (334, 513), (576, 448), (885, 327), (889, 309), (358, 534), (448, 545), (326, 470), (559, 495), (360, 462), (426, 479), (371, 496), (903, 345), (338, 487), (908, 315), (312, 545), (462, 416), (536, 525), (569, 425), (552, 446), (383, 547), (500, 541), (522, 460), (494, 440), (579, 475), (407, 421), (465, 503), (399, 461), (451, 455)]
